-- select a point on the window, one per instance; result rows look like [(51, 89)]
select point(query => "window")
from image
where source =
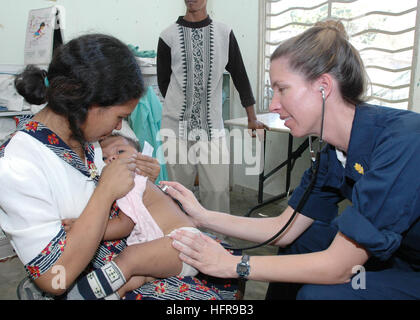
[(384, 32)]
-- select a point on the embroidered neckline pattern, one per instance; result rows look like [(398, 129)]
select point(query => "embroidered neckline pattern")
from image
[(53, 142)]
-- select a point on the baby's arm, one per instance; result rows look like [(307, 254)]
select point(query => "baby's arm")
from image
[(118, 227)]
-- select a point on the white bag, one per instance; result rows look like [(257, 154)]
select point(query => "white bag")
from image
[(9, 97)]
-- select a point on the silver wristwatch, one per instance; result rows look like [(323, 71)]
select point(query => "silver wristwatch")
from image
[(243, 267)]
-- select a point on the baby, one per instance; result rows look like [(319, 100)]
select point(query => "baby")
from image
[(146, 215)]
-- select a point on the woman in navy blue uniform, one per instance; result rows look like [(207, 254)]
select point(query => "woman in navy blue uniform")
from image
[(371, 250)]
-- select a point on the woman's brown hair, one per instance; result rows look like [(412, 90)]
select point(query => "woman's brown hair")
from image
[(325, 48)]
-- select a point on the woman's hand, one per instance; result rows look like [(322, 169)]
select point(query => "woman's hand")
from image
[(189, 202), (147, 166), (205, 254), (117, 178)]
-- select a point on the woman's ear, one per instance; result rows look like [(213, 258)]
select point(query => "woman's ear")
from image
[(324, 84)]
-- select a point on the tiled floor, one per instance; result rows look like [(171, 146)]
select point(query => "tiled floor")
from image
[(12, 271)]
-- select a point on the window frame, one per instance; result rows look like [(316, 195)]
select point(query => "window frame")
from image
[(263, 95)]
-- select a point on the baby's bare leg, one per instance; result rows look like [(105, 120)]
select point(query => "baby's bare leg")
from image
[(155, 258)]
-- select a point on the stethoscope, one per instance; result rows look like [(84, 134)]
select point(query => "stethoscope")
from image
[(315, 156)]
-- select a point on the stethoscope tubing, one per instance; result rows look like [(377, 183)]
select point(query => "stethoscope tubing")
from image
[(302, 201), (298, 208)]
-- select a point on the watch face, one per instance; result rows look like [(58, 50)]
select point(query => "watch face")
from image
[(242, 269)]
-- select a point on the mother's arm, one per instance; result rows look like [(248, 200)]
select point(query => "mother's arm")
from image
[(87, 231)]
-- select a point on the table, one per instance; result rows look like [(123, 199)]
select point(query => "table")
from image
[(275, 124)]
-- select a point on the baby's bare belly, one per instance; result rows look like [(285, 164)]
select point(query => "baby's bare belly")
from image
[(164, 210)]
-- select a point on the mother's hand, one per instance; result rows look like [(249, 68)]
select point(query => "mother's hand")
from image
[(205, 254), (117, 178), (147, 166)]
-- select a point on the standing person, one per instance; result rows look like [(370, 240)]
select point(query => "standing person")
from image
[(371, 158), (48, 173), (192, 55)]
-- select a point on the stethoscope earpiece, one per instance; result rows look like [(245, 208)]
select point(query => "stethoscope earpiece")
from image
[(322, 90)]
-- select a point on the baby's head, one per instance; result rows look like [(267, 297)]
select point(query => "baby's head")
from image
[(116, 146)]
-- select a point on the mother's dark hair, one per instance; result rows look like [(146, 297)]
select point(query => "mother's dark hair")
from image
[(93, 69)]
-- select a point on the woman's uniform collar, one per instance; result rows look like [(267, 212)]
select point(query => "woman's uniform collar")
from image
[(361, 141)]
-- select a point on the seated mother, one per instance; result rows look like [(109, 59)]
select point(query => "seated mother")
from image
[(48, 172)]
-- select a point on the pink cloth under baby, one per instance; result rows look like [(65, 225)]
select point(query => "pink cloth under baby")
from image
[(145, 228)]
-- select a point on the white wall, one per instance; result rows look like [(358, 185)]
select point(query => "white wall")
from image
[(136, 22)]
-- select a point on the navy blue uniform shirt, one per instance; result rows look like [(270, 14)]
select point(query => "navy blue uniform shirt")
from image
[(381, 179)]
